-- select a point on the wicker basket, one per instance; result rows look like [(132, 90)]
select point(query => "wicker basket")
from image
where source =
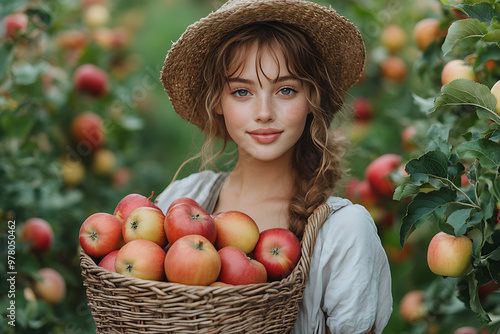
[(121, 304)]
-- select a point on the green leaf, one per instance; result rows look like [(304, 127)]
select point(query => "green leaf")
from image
[(463, 92), (483, 11), (458, 220), (27, 74), (433, 163), (484, 150), (475, 303), (463, 29), (437, 137), (423, 104), (423, 207), (405, 190)]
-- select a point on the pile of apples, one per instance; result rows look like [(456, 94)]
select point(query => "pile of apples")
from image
[(187, 245)]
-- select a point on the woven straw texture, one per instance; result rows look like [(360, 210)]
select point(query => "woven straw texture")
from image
[(337, 40), (121, 304)]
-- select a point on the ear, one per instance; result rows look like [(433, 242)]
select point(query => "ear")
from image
[(218, 110)]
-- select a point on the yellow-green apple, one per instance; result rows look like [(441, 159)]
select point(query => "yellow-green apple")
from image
[(457, 69), (50, 286), (394, 69), (185, 219), (393, 37), (109, 260), (448, 255), (142, 259), (408, 138), (96, 15), (378, 173), (39, 233), (73, 172), (363, 110), (220, 284), (236, 228), (495, 90), (100, 234), (104, 162), (185, 200), (238, 269), (426, 31), (88, 128), (192, 260), (278, 249), (145, 223), (131, 202), (92, 80), (15, 24), (412, 306)]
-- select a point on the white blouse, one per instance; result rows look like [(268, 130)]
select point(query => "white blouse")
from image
[(349, 281)]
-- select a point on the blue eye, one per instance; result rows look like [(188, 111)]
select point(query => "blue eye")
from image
[(241, 93)]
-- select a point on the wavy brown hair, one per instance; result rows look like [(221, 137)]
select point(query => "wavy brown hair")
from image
[(318, 153)]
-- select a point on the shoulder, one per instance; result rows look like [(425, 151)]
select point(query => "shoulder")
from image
[(196, 186)]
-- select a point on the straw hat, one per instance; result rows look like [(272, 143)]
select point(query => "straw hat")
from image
[(335, 38)]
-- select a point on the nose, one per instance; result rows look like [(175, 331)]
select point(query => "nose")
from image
[(265, 110)]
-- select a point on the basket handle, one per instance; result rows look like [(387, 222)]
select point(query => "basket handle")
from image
[(314, 223)]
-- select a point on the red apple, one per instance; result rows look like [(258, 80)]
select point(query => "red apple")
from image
[(142, 259), (495, 90), (51, 287), (457, 69), (394, 69), (235, 228), (192, 260), (378, 172), (448, 255), (486, 289), (393, 37), (412, 307), (15, 24), (92, 80), (88, 128), (238, 269), (100, 234), (426, 31), (185, 219), (184, 200), (108, 261), (278, 249), (465, 330), (145, 223), (361, 192), (131, 202), (38, 232), (408, 138), (363, 110)]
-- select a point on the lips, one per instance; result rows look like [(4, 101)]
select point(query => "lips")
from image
[(265, 136)]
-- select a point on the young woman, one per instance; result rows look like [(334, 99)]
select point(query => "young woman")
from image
[(270, 76)]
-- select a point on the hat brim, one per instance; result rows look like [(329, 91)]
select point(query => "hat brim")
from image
[(333, 36)]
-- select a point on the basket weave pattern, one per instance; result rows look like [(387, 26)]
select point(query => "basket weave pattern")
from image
[(121, 304)]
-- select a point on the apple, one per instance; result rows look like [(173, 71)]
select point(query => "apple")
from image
[(39, 233), (465, 330), (72, 39), (96, 15), (394, 69), (184, 219), (192, 260), (238, 269), (72, 172), (393, 37), (104, 162), (141, 259), (490, 65), (495, 90), (408, 138), (426, 31), (486, 289), (92, 80), (448, 255), (457, 69), (278, 249), (145, 223), (109, 260), (121, 177), (235, 228), (361, 192), (15, 25), (100, 234), (51, 286), (363, 110), (131, 202), (378, 171), (412, 307), (220, 284), (88, 128), (182, 200)]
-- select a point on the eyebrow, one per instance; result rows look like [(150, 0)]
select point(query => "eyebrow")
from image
[(248, 81)]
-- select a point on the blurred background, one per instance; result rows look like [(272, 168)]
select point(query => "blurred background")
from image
[(84, 121)]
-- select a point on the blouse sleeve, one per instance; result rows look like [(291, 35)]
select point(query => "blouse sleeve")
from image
[(350, 277)]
